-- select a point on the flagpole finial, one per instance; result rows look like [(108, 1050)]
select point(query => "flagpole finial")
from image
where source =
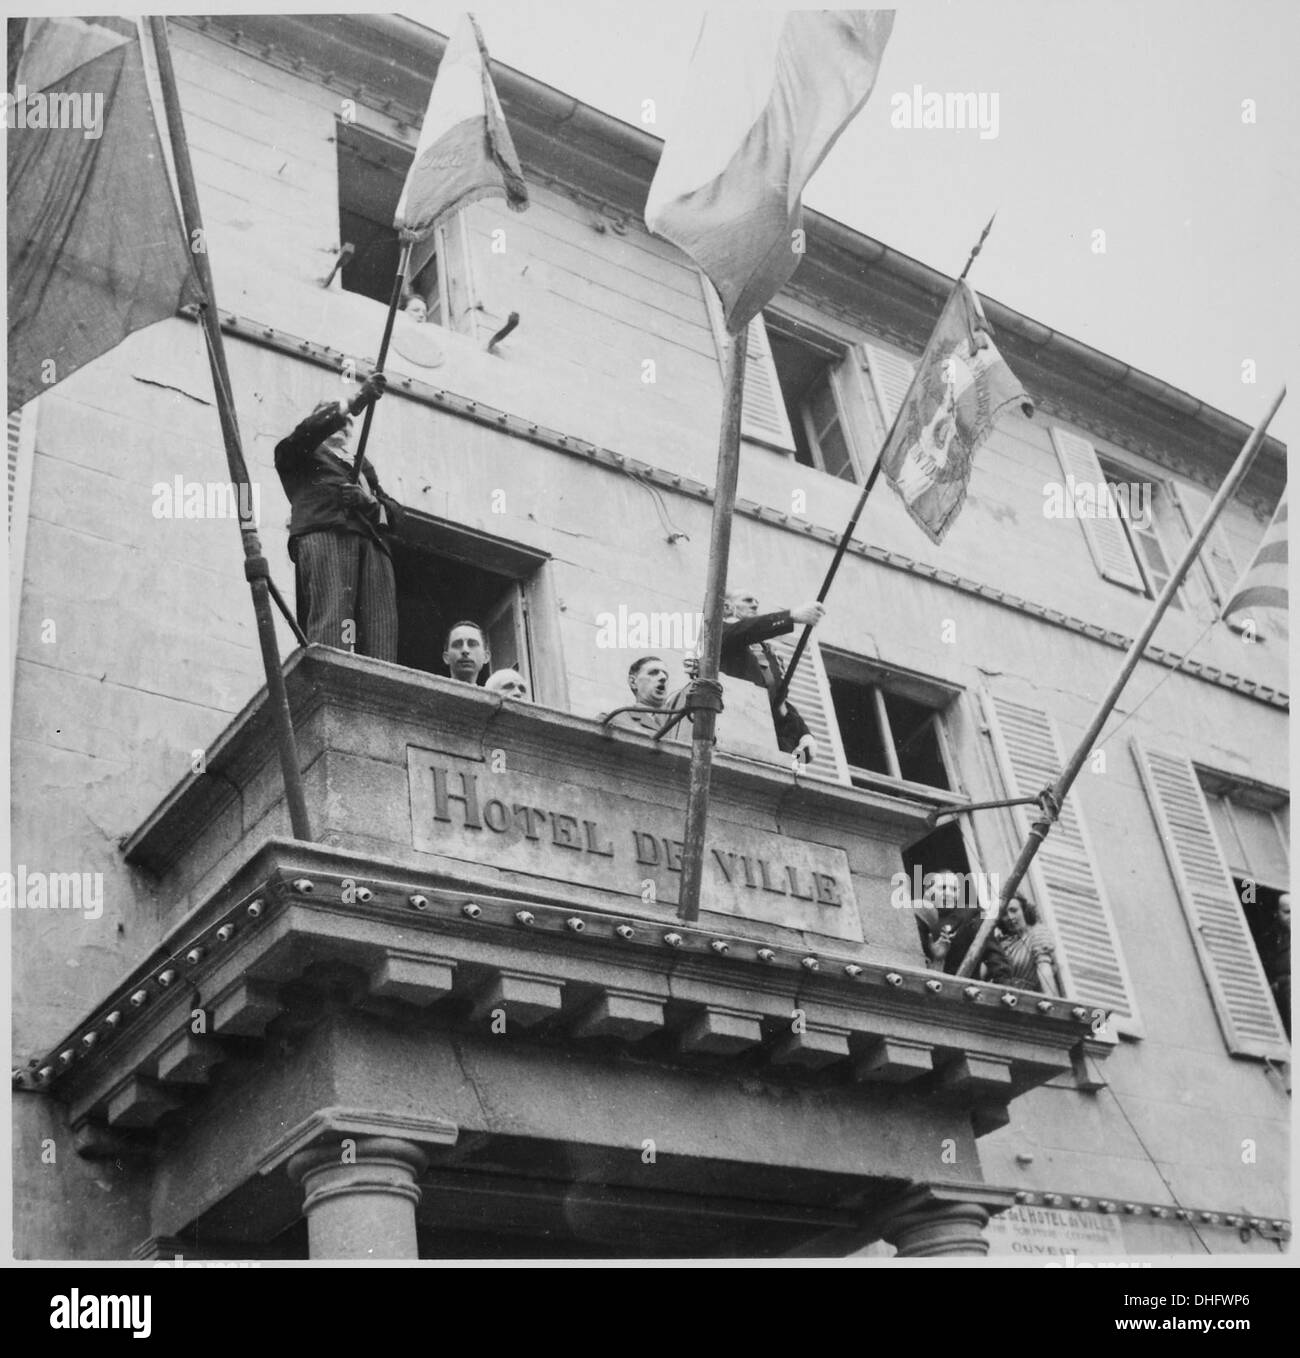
[(979, 245)]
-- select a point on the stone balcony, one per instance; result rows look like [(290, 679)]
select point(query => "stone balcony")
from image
[(504, 876)]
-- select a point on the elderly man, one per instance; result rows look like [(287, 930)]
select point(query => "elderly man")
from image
[(647, 677), (746, 655), (508, 683), (337, 530), (466, 651)]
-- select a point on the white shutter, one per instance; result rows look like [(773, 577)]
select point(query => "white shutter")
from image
[(763, 415), (1219, 930), (891, 375), (1105, 534), (1217, 567), (1063, 881), (810, 692)]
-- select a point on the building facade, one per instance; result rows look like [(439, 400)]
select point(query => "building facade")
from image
[(465, 1019)]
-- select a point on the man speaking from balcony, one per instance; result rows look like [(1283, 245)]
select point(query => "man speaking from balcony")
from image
[(746, 655), (347, 596)]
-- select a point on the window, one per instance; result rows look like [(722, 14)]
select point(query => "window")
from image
[(1137, 526), (1226, 846), (1134, 502), (372, 170), (806, 378), (890, 728), (446, 573), (1250, 826)]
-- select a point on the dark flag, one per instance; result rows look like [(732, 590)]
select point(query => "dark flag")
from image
[(95, 248)]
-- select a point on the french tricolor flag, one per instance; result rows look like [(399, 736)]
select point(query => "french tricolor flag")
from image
[(465, 151), (767, 96)]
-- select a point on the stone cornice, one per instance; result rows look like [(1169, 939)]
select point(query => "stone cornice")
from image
[(1229, 1218), (243, 958), (518, 427)]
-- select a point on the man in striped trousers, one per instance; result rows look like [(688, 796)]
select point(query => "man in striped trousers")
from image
[(347, 595)]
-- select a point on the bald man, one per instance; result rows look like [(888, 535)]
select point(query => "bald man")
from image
[(746, 655)]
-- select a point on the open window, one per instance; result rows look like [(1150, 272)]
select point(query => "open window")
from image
[(808, 377), (446, 573), (1142, 507), (891, 727), (371, 171), (1226, 846)]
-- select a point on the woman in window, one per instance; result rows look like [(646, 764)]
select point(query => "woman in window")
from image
[(1029, 948)]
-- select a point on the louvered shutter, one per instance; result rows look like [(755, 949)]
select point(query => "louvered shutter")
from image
[(1064, 882), (1104, 533), (1219, 930), (810, 692), (891, 375), (1217, 567), (763, 415)]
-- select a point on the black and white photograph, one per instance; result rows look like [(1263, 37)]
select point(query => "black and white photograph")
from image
[(649, 635)]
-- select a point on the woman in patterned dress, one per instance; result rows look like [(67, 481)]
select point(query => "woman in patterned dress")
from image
[(1029, 948)]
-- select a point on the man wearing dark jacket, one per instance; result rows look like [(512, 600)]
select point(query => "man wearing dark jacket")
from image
[(746, 655), (347, 596), (948, 927)]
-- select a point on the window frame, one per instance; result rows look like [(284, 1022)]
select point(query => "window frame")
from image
[(537, 615), (1177, 792), (840, 357), (451, 252), (1116, 470), (937, 695)]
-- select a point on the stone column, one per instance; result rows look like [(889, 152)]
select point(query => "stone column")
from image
[(947, 1228), (929, 1221), (359, 1197)]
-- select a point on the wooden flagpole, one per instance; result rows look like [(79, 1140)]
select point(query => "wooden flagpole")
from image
[(398, 282), (705, 719), (843, 545), (256, 570), (1052, 799)]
